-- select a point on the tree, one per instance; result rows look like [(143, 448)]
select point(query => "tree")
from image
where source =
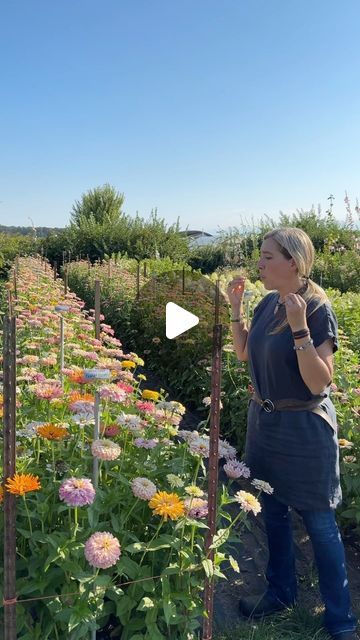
[(101, 205)]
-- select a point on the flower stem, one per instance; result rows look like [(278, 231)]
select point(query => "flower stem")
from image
[(196, 470), (192, 537), (76, 521), (130, 510), (28, 514), (148, 545)]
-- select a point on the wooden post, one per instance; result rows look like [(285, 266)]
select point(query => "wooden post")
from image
[(55, 269), (97, 309), (183, 281), (138, 280), (10, 302), (89, 265), (109, 268), (63, 257), (66, 279), (9, 453), (213, 462), (145, 269), (15, 283)]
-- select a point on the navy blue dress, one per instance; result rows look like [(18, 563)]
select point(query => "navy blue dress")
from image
[(296, 452)]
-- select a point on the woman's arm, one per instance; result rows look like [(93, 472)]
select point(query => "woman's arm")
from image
[(316, 365), (240, 335), (235, 291)]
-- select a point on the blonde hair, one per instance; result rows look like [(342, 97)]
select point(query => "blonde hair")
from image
[(296, 244)]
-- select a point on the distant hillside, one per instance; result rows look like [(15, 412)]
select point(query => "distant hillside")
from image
[(41, 232)]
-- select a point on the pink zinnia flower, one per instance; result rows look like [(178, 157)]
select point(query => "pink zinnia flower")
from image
[(142, 443), (77, 492), (143, 488), (126, 387), (111, 430), (144, 405), (226, 450), (236, 469), (46, 391), (112, 392), (199, 447), (102, 550), (49, 361), (196, 507), (105, 449)]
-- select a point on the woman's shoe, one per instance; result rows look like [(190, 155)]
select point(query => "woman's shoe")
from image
[(263, 605)]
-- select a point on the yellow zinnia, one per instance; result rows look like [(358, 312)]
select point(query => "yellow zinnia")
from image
[(128, 364), (147, 394), (52, 432), (167, 505), (22, 483)]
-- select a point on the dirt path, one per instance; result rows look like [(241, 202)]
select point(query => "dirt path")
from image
[(252, 558)]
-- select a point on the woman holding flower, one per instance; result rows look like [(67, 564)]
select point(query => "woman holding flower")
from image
[(291, 438)]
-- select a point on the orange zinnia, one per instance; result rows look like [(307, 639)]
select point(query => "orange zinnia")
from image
[(22, 483), (75, 396), (167, 505), (77, 377), (52, 432)]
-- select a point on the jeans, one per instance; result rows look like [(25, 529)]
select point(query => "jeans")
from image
[(329, 556)]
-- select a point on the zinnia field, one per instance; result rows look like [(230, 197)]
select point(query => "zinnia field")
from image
[(110, 526)]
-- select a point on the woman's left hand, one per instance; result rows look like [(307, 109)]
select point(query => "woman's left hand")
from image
[(295, 307)]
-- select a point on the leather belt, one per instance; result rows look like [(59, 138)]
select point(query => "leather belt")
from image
[(288, 404)]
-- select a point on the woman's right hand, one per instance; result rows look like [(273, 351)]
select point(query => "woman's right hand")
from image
[(235, 291)]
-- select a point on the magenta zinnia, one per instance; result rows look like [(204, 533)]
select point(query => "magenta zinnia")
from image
[(77, 492), (102, 550)]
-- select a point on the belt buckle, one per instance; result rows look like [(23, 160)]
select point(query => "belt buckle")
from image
[(268, 405)]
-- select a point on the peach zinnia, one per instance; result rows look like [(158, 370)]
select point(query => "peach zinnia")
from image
[(22, 483), (102, 550)]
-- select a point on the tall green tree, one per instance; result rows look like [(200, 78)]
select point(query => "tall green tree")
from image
[(101, 205)]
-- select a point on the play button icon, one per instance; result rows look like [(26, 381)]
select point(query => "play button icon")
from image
[(178, 320)]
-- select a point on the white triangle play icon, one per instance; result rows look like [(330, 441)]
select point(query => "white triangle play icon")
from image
[(178, 320)]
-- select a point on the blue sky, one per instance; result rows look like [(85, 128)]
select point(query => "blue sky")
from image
[(216, 111)]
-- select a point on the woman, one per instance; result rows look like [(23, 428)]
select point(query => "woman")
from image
[(291, 440)]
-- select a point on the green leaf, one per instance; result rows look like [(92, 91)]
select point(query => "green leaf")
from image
[(234, 564), (169, 609), (102, 581), (219, 538), (208, 567)]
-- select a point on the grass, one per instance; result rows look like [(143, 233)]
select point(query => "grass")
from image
[(296, 624)]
